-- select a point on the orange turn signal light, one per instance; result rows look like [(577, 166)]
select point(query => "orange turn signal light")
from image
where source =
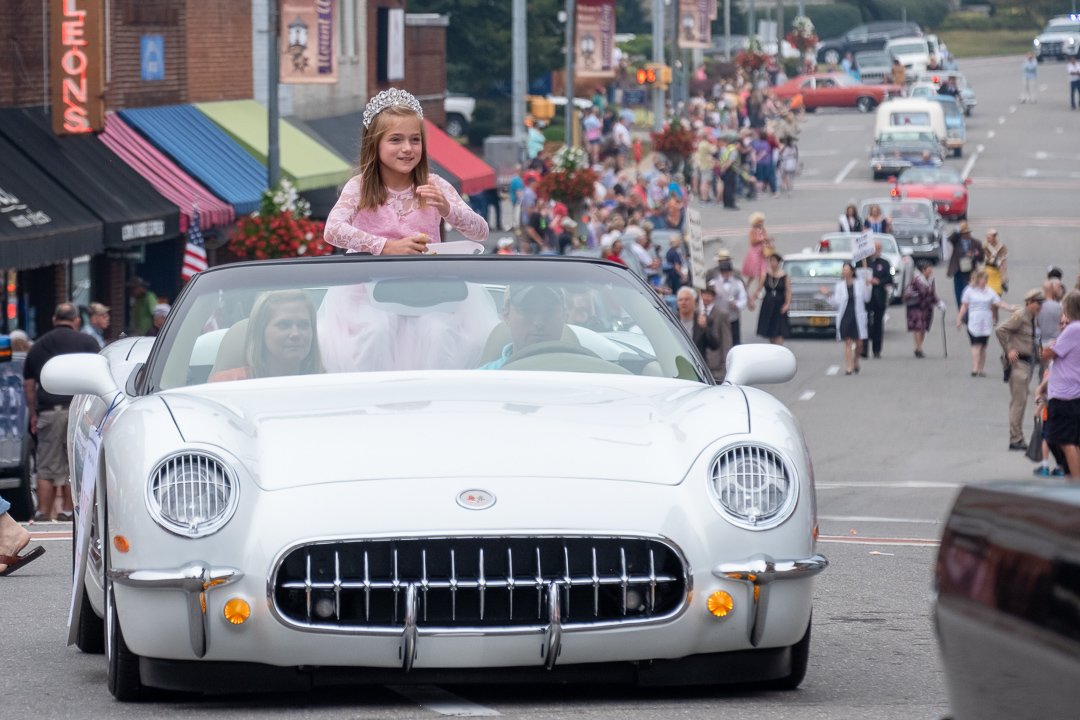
[(121, 543), (237, 611), (720, 604)]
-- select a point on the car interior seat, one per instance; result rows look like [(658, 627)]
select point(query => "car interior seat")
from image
[(230, 353), (500, 338)]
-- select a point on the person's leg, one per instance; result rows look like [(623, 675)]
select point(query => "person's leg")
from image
[(858, 348), (13, 536), (1018, 392), (960, 281), (918, 335), (974, 359), (980, 363), (736, 337), (849, 351), (46, 492)]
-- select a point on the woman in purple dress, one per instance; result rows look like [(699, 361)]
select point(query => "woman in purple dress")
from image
[(921, 298)]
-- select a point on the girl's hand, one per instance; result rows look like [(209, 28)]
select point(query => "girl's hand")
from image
[(412, 245), (433, 196)]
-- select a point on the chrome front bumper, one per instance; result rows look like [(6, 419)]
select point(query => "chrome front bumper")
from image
[(761, 571), (194, 580)]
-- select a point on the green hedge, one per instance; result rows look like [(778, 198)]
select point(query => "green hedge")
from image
[(927, 13), (1014, 18)]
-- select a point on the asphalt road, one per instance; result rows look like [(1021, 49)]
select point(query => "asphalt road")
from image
[(890, 447)]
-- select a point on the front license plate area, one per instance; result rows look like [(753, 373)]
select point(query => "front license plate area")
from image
[(819, 322)]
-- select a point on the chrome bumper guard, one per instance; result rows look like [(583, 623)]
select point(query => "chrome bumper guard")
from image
[(761, 571), (194, 580)]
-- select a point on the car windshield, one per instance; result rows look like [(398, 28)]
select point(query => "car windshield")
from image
[(341, 315), (1062, 27), (911, 213), (909, 48), (813, 269), (841, 242), (939, 175)]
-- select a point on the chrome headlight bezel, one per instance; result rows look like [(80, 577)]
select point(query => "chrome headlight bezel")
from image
[(755, 452), (200, 462)]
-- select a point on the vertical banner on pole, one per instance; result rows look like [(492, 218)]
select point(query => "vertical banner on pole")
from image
[(594, 48), (309, 41), (695, 24)]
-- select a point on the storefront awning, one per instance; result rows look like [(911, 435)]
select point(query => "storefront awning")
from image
[(305, 162), (40, 223), (131, 211), (204, 151), (165, 176), (466, 172)]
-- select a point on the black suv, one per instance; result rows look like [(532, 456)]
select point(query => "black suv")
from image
[(871, 36)]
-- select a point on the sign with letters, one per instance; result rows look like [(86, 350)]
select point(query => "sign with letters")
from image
[(76, 66), (594, 49), (695, 243), (862, 247), (152, 57)]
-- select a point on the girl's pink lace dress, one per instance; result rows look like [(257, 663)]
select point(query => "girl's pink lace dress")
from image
[(356, 334)]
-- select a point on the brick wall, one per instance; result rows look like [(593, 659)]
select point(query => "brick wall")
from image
[(22, 53), (425, 68), (130, 20), (219, 64)]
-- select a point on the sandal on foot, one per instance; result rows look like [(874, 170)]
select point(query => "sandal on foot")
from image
[(14, 562), (41, 517)]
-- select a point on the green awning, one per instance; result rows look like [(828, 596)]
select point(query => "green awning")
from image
[(304, 161)]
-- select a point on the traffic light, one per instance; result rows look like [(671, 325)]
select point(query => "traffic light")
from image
[(541, 108), (646, 76), (654, 74)]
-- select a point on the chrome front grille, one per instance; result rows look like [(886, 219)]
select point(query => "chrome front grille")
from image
[(485, 583), (812, 303)]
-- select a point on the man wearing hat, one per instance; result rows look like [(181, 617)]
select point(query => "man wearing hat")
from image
[(1020, 339), (533, 314), (967, 254), (730, 293)]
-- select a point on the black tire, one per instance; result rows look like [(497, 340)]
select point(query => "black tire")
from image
[(967, 112), (90, 635), (957, 152), (124, 681), (456, 125), (800, 661), (22, 498), (865, 104)]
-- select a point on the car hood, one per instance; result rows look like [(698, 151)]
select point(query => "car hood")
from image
[(472, 425), (934, 191)]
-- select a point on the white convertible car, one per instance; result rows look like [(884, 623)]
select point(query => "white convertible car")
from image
[(363, 469)]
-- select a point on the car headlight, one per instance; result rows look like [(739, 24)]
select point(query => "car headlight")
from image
[(192, 494), (1037, 42), (755, 487), (1070, 41), (957, 194)]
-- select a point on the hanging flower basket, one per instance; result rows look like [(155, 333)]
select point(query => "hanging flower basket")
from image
[(570, 181), (802, 37), (280, 228), (750, 60)]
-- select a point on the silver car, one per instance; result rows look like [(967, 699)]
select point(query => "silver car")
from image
[(899, 261)]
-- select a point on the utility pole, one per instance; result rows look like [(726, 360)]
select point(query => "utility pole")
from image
[(658, 57), (519, 71), (727, 30), (571, 9), (273, 160), (751, 21)]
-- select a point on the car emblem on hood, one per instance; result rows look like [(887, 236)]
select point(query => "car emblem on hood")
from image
[(475, 499)]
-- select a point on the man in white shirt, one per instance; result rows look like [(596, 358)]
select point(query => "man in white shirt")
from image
[(1073, 68), (730, 294), (639, 246), (621, 135)]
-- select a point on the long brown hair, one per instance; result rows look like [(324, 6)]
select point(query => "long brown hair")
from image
[(255, 347), (372, 189)]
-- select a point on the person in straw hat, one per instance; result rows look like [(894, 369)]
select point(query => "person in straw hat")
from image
[(967, 254)]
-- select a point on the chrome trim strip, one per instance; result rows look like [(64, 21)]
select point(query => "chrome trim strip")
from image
[(467, 631), (759, 572), (408, 635), (194, 580), (553, 632)]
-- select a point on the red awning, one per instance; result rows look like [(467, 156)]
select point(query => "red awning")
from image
[(448, 159), (165, 176)]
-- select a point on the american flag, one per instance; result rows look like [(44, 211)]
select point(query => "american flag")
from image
[(195, 251)]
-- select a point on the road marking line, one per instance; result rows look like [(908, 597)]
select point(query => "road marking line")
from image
[(843, 173), (438, 700), (1012, 108), (1031, 172), (856, 540), (990, 134), (979, 148), (897, 484), (971, 163), (874, 519), (1001, 120), (808, 395), (832, 370), (1041, 155)]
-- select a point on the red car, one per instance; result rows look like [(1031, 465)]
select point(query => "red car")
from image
[(941, 185), (836, 89)]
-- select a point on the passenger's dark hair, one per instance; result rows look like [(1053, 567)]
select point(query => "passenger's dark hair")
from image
[(66, 312)]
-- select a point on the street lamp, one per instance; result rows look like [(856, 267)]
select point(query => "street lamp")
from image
[(298, 39), (588, 50)]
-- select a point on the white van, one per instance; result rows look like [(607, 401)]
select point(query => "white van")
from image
[(909, 113), (912, 52)]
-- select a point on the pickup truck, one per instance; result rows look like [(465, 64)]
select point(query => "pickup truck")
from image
[(459, 111)]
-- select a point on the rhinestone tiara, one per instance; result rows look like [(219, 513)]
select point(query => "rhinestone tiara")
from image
[(390, 98)]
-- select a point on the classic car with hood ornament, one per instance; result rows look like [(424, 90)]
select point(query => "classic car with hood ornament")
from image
[(414, 469)]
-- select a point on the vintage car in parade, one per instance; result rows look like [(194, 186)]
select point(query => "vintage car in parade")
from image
[(836, 89), (943, 186), (417, 469), (899, 262), (16, 443), (871, 36), (918, 228), (809, 272), (966, 93), (1007, 584), (897, 150)]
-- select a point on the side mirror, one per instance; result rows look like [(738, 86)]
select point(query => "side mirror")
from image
[(760, 364), (79, 374)]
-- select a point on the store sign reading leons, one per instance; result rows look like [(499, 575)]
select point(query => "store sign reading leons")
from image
[(76, 66)]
